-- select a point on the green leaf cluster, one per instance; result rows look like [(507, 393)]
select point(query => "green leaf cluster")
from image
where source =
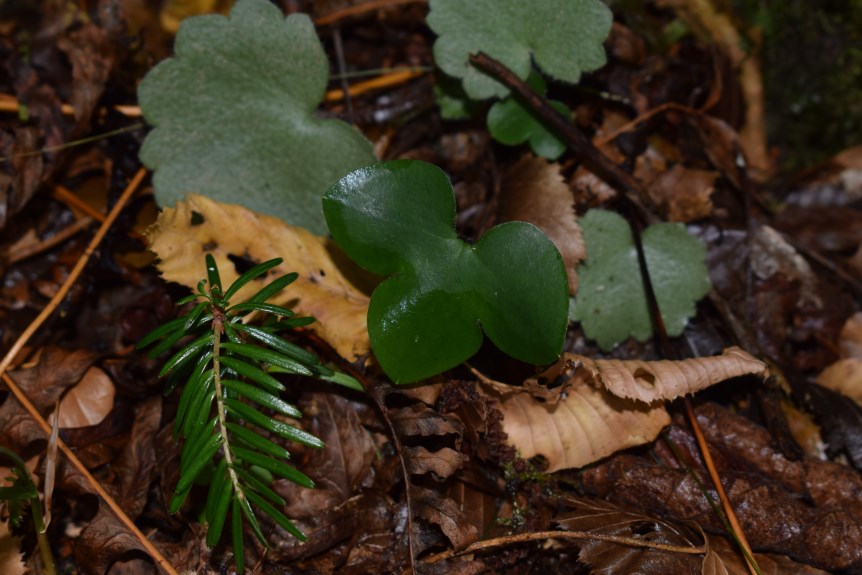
[(398, 219), (230, 403), (611, 302), (563, 37), (234, 116)]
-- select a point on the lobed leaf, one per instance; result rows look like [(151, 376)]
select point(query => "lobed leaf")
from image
[(397, 219), (563, 37), (234, 115), (611, 302)]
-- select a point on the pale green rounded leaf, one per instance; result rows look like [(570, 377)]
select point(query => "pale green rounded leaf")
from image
[(563, 37), (234, 116), (611, 302), (398, 219)]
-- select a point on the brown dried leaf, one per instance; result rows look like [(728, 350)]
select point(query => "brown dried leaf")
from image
[(322, 290), (342, 467), (444, 513), (583, 426), (57, 370), (684, 193), (533, 191), (89, 401), (441, 463), (650, 381), (102, 541)]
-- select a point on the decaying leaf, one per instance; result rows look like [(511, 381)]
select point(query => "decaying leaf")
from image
[(182, 235), (533, 191), (604, 406)]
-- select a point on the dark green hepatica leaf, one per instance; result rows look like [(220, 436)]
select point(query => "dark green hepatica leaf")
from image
[(611, 302), (234, 116), (564, 37), (398, 219), (511, 122)]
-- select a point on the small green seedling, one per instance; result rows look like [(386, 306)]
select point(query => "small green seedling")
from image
[(234, 116), (611, 302), (230, 401), (18, 496), (398, 219), (512, 123)]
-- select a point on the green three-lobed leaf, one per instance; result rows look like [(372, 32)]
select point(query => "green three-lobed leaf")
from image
[(397, 219), (563, 37), (234, 116), (611, 302)]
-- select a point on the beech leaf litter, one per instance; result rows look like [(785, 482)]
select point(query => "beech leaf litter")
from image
[(746, 345)]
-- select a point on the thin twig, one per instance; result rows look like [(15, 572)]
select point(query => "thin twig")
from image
[(58, 238), (667, 352), (31, 330), (543, 535), (359, 9)]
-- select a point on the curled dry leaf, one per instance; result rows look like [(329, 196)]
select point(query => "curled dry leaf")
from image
[(182, 235), (650, 381), (584, 425), (533, 191), (604, 406)]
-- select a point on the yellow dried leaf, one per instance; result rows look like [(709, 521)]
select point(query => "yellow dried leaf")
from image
[(183, 235), (584, 425), (845, 377)]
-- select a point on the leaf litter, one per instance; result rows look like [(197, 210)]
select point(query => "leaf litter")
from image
[(424, 471)]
